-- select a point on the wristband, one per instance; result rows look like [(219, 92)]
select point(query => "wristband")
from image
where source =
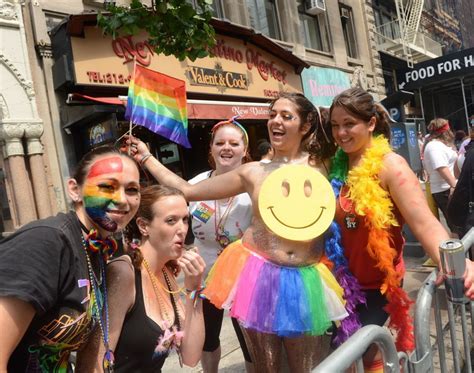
[(195, 295), (144, 158)]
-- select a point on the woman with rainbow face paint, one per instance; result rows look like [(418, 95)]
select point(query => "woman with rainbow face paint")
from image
[(377, 193), (282, 294), (53, 291)]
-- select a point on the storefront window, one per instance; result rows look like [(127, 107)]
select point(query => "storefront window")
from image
[(264, 17), (314, 30)]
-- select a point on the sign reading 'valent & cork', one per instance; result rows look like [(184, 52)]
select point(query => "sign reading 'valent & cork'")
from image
[(237, 68)]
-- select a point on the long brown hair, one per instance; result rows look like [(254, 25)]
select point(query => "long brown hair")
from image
[(361, 104), (315, 141), (132, 235)]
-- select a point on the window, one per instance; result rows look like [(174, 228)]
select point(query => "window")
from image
[(314, 30), (264, 18), (216, 7), (348, 30)]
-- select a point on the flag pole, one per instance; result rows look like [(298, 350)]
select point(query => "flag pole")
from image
[(131, 124)]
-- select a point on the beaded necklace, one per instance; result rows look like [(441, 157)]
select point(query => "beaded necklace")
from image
[(172, 336), (99, 307), (222, 237)]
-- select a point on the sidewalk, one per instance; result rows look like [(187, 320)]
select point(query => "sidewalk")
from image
[(232, 359)]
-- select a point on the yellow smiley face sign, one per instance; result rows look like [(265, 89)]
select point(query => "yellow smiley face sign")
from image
[(297, 203)]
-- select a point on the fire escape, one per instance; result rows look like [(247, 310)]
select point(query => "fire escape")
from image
[(401, 37)]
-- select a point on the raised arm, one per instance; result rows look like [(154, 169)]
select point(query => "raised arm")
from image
[(193, 341), (222, 186), (121, 297), (15, 317)]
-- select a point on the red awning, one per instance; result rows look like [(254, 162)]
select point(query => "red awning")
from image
[(221, 110), (197, 109), (77, 98)]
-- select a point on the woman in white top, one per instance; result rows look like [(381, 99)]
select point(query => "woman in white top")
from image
[(439, 160), (217, 223)]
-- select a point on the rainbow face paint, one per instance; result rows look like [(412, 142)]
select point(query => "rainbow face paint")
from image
[(102, 191)]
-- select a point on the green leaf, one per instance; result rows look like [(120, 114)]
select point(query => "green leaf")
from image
[(174, 27)]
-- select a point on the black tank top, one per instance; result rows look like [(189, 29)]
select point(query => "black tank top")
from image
[(139, 337)]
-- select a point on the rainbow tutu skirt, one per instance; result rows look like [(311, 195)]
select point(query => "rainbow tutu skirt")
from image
[(269, 298)]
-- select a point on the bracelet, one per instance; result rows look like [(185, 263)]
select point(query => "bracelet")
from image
[(144, 158), (195, 295)]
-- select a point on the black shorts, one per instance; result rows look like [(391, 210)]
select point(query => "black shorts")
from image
[(373, 313), (213, 317), (442, 199)]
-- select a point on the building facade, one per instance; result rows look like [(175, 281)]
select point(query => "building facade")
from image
[(27, 191), (427, 36), (328, 43)]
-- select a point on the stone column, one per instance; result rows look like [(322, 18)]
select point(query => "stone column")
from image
[(11, 132), (34, 149)]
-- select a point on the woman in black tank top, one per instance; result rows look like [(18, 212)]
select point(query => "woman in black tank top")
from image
[(147, 316)]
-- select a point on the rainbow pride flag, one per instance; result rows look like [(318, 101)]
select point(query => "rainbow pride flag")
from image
[(158, 102)]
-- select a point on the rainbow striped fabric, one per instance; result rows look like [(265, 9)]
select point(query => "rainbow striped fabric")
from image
[(158, 102)]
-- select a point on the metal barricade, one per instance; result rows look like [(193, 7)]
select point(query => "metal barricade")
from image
[(421, 360), (352, 350)]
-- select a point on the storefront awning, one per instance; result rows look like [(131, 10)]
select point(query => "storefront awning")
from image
[(197, 109), (201, 109)]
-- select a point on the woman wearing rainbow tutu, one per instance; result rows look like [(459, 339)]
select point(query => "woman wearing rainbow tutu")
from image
[(272, 279)]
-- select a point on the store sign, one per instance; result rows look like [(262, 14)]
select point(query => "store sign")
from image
[(321, 85), (450, 66), (236, 67), (216, 77)]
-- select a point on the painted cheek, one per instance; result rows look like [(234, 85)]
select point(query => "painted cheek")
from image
[(96, 204)]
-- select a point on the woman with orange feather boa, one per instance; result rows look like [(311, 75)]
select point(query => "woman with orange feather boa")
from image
[(376, 193)]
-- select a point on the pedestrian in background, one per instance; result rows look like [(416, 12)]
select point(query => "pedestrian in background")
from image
[(439, 159), (265, 151), (459, 137), (461, 204), (218, 223)]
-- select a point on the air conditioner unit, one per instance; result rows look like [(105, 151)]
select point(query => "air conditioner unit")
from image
[(345, 13), (315, 7)]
